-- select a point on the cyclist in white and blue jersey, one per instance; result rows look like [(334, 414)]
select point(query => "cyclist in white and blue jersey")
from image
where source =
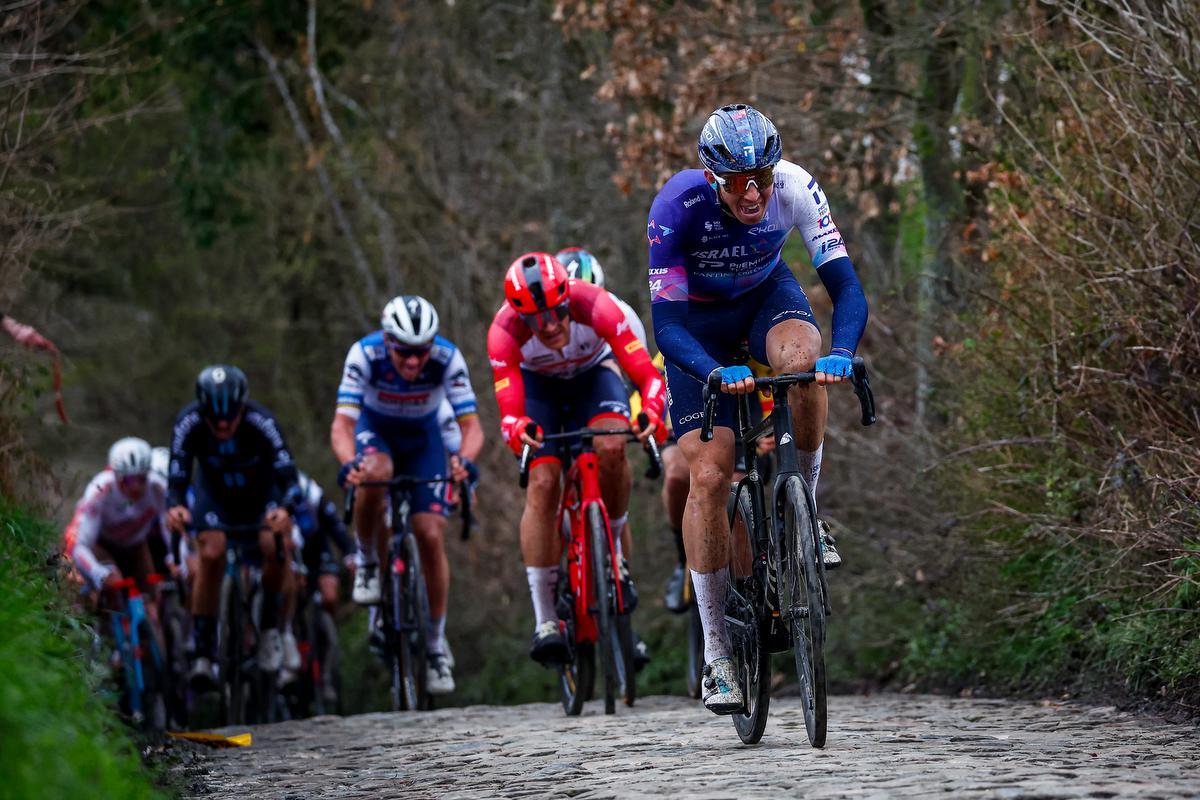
[(386, 424), (717, 279)]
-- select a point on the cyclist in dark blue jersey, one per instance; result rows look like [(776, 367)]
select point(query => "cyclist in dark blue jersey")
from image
[(717, 278), (245, 473)]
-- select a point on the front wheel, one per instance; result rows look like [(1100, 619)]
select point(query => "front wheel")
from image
[(602, 580), (751, 659), (231, 640), (417, 622), (803, 602)]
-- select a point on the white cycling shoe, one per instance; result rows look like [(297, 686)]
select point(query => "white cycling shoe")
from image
[(438, 678), (829, 553), (722, 694), (291, 652), (366, 585), (270, 651)]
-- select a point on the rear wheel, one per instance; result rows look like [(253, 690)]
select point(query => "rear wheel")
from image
[(155, 681), (695, 654), (623, 657), (803, 600), (601, 593), (577, 677)]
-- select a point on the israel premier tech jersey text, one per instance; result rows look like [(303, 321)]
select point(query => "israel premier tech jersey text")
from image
[(700, 255)]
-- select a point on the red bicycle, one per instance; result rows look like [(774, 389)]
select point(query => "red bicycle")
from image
[(590, 604)]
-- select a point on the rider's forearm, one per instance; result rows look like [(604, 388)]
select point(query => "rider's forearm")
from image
[(472, 436), (341, 437), (676, 343), (849, 303)]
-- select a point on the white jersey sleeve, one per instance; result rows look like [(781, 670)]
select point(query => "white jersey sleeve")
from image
[(805, 209), (88, 516), (354, 382), (448, 424), (457, 382)]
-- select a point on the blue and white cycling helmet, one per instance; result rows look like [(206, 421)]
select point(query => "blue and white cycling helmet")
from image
[(737, 138)]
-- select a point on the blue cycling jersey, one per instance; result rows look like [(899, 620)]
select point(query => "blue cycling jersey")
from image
[(699, 253), (370, 381)]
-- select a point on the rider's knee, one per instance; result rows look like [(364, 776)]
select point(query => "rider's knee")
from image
[(710, 481), (797, 350), (377, 467), (543, 486), (211, 550), (610, 457)]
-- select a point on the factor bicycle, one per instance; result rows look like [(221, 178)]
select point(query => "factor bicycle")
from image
[(778, 598)]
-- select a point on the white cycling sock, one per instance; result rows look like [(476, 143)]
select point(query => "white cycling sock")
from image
[(542, 583), (810, 466), (711, 588), (618, 525), (435, 635)]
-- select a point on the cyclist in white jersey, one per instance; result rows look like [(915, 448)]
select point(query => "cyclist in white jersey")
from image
[(121, 509)]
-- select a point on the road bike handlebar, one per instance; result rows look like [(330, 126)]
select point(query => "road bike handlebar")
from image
[(464, 491), (650, 446), (862, 390)]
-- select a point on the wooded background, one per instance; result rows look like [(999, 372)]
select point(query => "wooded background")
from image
[(186, 181)]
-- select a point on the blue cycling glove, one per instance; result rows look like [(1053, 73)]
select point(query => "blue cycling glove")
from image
[(345, 470), (735, 374), (835, 363)]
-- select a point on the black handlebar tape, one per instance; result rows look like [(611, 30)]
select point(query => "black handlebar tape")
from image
[(526, 451), (348, 506), (464, 489), (654, 468), (530, 431), (711, 393), (862, 390)]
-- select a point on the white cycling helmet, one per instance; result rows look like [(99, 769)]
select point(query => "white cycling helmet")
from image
[(411, 320), (130, 456), (160, 461)]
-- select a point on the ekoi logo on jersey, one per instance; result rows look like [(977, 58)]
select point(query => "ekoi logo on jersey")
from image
[(502, 384), (634, 346)]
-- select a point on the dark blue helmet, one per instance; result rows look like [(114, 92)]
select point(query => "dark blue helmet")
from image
[(221, 391), (736, 138)]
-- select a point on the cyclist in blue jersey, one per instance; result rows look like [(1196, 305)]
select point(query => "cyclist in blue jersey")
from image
[(386, 424), (717, 278)]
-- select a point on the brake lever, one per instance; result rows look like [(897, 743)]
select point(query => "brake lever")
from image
[(654, 468), (862, 390)]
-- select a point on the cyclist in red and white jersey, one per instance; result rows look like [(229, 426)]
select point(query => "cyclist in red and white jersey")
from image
[(121, 509), (557, 348)]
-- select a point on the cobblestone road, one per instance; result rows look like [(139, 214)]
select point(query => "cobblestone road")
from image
[(882, 746)]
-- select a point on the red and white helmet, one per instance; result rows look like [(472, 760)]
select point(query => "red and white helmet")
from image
[(535, 283)]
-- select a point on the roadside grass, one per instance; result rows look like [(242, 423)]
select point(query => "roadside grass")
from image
[(59, 734)]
